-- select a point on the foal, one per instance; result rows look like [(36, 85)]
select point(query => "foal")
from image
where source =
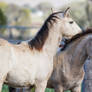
[(31, 63)]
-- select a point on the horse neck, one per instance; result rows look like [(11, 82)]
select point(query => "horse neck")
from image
[(78, 53), (53, 40)]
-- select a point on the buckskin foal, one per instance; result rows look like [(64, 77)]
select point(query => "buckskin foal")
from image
[(31, 63)]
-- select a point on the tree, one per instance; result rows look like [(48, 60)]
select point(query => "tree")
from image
[(45, 7), (78, 11), (88, 10), (3, 6), (23, 17), (3, 20), (18, 16)]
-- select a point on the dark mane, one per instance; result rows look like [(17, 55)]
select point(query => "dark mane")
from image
[(42, 35), (77, 36)]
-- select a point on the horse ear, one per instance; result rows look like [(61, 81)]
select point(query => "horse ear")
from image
[(66, 13), (52, 10)]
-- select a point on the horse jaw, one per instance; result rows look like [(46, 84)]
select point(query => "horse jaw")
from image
[(68, 29)]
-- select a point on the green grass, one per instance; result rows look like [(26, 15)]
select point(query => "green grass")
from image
[(49, 90), (5, 89)]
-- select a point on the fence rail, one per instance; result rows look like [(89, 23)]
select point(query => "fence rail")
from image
[(18, 27)]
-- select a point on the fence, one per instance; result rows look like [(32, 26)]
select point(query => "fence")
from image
[(21, 29)]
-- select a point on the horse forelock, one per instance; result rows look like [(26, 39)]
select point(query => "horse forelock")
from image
[(42, 35), (77, 36)]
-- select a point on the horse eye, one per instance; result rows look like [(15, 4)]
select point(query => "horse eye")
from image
[(71, 22)]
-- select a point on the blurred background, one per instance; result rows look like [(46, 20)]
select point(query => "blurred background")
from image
[(21, 19)]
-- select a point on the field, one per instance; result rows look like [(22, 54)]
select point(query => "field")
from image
[(5, 89)]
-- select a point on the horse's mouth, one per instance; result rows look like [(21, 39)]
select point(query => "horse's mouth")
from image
[(68, 37)]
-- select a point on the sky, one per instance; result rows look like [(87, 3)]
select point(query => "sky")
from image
[(33, 3)]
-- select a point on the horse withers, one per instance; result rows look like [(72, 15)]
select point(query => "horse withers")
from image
[(31, 63)]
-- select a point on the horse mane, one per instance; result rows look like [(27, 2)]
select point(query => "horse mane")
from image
[(38, 41), (77, 36)]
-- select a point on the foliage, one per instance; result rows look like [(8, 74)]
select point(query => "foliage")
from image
[(17, 15), (13, 15), (89, 12), (45, 7), (23, 18), (5, 88), (80, 12), (3, 5), (3, 20)]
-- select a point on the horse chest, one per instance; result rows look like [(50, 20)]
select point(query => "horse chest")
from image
[(29, 70)]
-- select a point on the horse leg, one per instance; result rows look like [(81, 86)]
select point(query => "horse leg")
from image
[(59, 88), (76, 89), (28, 89), (1, 83), (2, 79), (40, 87), (11, 89)]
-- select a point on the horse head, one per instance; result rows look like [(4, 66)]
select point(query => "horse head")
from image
[(66, 24)]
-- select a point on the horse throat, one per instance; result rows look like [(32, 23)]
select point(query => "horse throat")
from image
[(53, 40), (47, 39)]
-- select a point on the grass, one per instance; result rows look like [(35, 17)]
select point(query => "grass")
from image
[(47, 90), (5, 89)]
